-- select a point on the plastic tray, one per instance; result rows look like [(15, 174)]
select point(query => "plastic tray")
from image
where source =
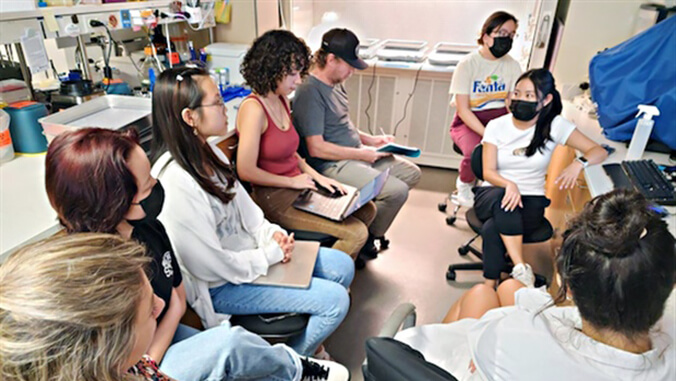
[(110, 111)]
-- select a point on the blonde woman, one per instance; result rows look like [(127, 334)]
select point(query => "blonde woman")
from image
[(76, 307)]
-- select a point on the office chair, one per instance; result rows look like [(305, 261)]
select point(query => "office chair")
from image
[(442, 206), (390, 360), (542, 234)]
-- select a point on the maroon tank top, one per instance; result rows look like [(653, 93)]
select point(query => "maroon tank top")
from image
[(276, 153)]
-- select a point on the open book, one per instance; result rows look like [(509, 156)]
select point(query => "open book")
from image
[(399, 149)]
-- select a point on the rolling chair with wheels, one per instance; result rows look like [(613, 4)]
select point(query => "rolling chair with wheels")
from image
[(442, 206), (542, 234), (390, 360)]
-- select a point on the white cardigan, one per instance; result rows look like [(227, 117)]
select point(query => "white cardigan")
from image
[(207, 259)]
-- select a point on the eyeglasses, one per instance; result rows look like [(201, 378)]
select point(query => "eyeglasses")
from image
[(503, 33), (219, 103)]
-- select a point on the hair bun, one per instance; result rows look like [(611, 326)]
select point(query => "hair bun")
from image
[(619, 222)]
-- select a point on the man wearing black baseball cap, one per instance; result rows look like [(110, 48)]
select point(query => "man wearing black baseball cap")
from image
[(334, 146)]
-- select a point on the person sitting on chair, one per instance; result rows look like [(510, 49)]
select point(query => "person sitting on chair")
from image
[(481, 83), (220, 235), (333, 145), (77, 307), (98, 180), (517, 149), (267, 154), (617, 264)]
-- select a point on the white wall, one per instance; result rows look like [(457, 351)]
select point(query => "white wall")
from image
[(431, 20), (593, 26)]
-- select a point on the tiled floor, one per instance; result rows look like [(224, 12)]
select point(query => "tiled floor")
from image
[(412, 270)]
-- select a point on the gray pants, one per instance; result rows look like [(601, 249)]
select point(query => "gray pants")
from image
[(404, 175)]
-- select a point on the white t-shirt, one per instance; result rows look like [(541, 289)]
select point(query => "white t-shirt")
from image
[(528, 173), (486, 82), (522, 343)]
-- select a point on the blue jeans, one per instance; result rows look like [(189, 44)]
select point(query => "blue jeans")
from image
[(326, 300), (227, 353)]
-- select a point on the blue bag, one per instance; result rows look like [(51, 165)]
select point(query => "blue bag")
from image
[(641, 70)]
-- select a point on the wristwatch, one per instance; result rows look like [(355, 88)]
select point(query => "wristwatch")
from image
[(583, 160)]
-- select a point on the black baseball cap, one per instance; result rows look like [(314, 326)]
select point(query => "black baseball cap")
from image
[(344, 44)]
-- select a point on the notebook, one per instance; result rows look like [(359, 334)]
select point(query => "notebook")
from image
[(339, 208), (296, 273), (400, 150)]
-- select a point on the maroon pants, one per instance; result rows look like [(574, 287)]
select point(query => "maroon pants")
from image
[(465, 138)]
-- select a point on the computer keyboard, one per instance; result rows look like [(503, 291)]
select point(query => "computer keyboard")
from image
[(645, 177)]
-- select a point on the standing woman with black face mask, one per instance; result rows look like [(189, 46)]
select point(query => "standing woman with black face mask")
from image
[(517, 148), (480, 85)]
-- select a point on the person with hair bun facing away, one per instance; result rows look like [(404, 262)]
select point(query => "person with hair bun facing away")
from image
[(267, 153), (517, 149), (617, 264)]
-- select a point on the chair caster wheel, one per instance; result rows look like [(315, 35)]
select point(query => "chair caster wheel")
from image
[(442, 207), (450, 220), (384, 243), (450, 275), (463, 250)]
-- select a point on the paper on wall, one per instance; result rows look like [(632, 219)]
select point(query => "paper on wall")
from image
[(34, 50)]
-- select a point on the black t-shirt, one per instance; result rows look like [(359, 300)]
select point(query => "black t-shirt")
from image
[(164, 271)]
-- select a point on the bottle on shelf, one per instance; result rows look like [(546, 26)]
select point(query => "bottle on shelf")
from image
[(150, 62)]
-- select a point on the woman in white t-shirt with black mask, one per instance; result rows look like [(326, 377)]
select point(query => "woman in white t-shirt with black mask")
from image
[(517, 148)]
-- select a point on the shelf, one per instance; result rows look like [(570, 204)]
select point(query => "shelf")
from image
[(82, 9)]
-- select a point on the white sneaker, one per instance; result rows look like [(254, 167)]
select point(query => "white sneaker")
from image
[(524, 274), (315, 370), (464, 195)]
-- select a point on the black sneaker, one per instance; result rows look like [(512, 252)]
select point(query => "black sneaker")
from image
[(359, 263), (315, 370), (369, 251)]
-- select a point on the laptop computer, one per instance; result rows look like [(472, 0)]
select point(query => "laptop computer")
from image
[(296, 273), (339, 208)]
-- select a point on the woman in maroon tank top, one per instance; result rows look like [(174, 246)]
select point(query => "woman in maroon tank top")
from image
[(267, 154)]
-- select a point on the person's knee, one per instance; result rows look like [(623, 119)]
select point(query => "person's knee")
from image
[(480, 291), (395, 192), (338, 302), (341, 269)]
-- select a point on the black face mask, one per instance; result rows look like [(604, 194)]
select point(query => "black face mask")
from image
[(524, 110), (501, 46), (151, 205)]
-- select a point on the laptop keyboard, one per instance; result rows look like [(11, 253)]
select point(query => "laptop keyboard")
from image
[(329, 206)]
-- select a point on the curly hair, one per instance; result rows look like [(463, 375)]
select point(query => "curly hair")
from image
[(272, 56)]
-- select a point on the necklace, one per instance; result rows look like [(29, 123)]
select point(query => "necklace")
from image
[(278, 113)]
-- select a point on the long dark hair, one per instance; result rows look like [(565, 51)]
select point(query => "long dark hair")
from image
[(175, 90), (272, 56), (618, 259), (544, 84), (87, 179), (495, 21)]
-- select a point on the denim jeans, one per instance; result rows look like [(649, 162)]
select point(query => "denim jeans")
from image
[(326, 300), (227, 353)]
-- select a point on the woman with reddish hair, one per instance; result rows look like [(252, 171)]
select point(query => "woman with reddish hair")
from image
[(99, 180)]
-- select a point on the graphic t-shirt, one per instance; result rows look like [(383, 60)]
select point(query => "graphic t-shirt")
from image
[(486, 82), (165, 273)]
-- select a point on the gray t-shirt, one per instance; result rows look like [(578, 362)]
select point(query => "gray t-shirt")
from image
[(320, 109)]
